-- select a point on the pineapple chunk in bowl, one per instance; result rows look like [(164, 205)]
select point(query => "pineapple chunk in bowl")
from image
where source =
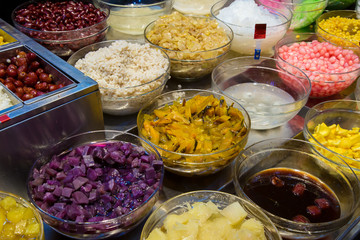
[(208, 214)]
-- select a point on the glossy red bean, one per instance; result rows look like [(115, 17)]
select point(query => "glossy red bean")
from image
[(3, 66), (19, 92), (39, 71), (22, 68), (55, 16), (2, 72), (45, 77), (53, 87), (42, 86), (21, 76), (313, 210), (18, 83), (301, 218), (27, 89), (10, 86), (11, 72), (299, 189), (34, 66), (31, 56), (27, 96), (21, 61), (277, 181), (322, 203), (10, 80), (30, 81)]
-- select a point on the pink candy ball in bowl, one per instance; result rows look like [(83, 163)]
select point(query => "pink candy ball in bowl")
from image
[(331, 68)]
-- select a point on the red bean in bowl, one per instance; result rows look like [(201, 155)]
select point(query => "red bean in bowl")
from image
[(62, 26)]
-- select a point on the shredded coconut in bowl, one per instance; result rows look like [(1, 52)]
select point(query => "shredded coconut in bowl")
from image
[(125, 68), (129, 74), (5, 101)]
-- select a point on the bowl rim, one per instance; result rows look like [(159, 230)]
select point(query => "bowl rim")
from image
[(284, 220), (135, 5), (30, 205), (306, 96), (279, 44), (242, 109), (226, 45), (325, 16), (306, 129), (65, 32), (70, 41), (288, 19), (302, 4), (106, 221), (238, 199), (132, 41)]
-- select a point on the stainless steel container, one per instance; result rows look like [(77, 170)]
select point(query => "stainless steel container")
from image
[(31, 127)]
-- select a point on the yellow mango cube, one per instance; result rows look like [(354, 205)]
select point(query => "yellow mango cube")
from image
[(20, 227), (8, 232), (15, 215), (32, 230), (7, 203), (28, 214)]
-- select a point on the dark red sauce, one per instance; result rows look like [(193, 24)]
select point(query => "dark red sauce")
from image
[(293, 195)]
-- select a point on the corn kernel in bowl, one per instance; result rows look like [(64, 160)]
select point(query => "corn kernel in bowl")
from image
[(342, 141)]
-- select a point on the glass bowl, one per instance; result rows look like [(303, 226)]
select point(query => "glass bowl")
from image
[(187, 65), (344, 113), (253, 82), (199, 7), (124, 98), (243, 25), (187, 161), (109, 194), (131, 17), (305, 12), (29, 226), (357, 91), (339, 4), (291, 164), (339, 32), (324, 82), (65, 42), (180, 204)]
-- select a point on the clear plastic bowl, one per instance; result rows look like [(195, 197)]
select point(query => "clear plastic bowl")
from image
[(179, 205), (305, 12), (106, 228), (244, 42), (348, 41), (300, 156), (139, 94), (65, 43), (26, 204), (339, 4), (133, 18), (253, 82), (194, 164), (323, 84), (198, 7), (190, 66), (343, 112)]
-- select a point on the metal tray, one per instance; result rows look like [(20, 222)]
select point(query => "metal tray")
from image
[(29, 127)]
